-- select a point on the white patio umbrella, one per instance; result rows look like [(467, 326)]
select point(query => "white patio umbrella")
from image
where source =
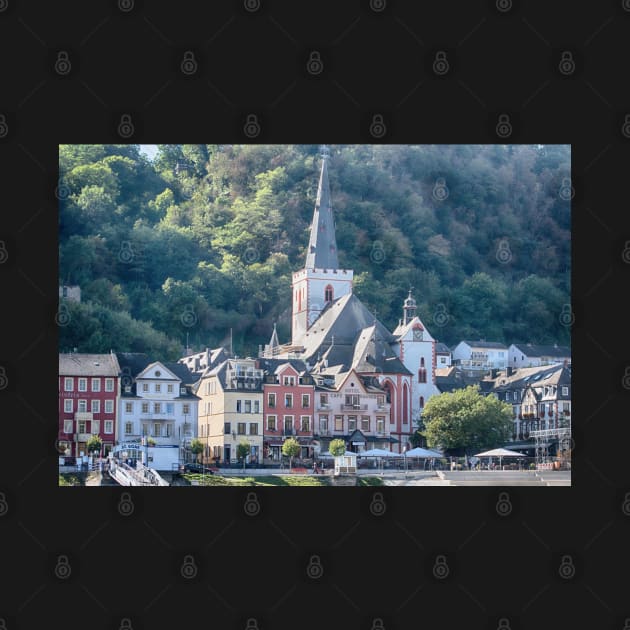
[(422, 452), (378, 452), (500, 453)]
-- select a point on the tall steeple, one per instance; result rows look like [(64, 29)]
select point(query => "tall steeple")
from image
[(322, 247), (409, 308)]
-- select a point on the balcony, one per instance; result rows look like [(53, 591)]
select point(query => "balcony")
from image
[(354, 407), (323, 407), (83, 415)]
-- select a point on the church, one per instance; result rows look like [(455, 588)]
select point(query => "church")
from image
[(371, 383)]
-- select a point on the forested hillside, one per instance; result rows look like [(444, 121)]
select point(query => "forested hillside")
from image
[(204, 238)]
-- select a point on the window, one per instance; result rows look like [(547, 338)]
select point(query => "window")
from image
[(145, 427), (128, 428), (169, 388), (67, 405), (81, 426), (323, 424), (182, 390), (288, 400), (442, 359), (306, 423), (186, 408), (288, 424), (145, 387), (289, 380), (515, 395), (380, 424), (83, 385), (421, 402), (157, 432), (253, 428), (157, 407), (352, 423), (248, 406), (238, 406), (271, 400), (306, 400), (145, 407), (323, 399), (68, 426), (241, 428), (158, 388), (421, 362), (82, 408), (68, 384), (422, 375), (338, 423), (208, 408), (328, 294), (96, 384), (109, 384), (128, 407), (109, 406), (271, 423), (380, 401), (170, 409), (169, 429), (352, 400), (257, 406), (96, 406), (565, 391), (109, 426), (227, 428), (365, 423)]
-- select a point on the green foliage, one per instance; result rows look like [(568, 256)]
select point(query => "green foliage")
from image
[(465, 419), (217, 230), (243, 449), (337, 447), (291, 448), (196, 447), (94, 444)]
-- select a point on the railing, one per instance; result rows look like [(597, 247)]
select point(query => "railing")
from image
[(354, 407)]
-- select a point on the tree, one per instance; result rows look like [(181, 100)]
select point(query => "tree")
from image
[(337, 447), (290, 448), (466, 420), (94, 444), (196, 447), (242, 451)]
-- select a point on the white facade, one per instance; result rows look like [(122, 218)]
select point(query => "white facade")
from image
[(517, 357), (163, 411), (312, 289), (473, 357), (416, 350)]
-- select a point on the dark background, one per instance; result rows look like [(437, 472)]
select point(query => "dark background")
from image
[(123, 57)]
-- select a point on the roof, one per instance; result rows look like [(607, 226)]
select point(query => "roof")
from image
[(532, 350), (132, 363), (372, 354), (442, 348), (74, 364), (485, 344), (522, 377), (270, 366), (322, 246), (450, 378)]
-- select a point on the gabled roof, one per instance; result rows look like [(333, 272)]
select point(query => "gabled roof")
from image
[(521, 377), (270, 366), (74, 364), (132, 363), (491, 345), (531, 350), (372, 354), (442, 348)]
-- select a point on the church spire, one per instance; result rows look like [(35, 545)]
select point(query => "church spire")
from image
[(409, 308), (322, 247), (273, 342)]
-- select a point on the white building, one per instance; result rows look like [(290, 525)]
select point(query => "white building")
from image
[(157, 406), (480, 356), (529, 355)]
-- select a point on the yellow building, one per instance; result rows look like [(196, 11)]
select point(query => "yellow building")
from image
[(231, 411)]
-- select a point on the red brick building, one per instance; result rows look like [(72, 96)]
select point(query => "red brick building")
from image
[(89, 389)]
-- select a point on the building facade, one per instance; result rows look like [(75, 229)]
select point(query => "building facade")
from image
[(480, 356), (89, 390)]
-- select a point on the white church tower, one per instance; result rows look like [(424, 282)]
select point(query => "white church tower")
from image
[(321, 281)]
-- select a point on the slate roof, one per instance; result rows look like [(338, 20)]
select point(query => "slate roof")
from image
[(372, 354), (448, 379), (75, 364), (492, 345), (531, 350), (442, 348), (132, 363), (322, 246), (522, 377)]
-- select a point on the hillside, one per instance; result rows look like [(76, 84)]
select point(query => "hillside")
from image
[(204, 238)]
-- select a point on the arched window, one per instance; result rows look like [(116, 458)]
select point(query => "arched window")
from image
[(328, 294), (422, 375), (421, 402), (421, 362)]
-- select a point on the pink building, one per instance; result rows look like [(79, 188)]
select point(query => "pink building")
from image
[(89, 389), (288, 407)]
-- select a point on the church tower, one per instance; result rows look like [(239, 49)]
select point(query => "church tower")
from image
[(321, 281)]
